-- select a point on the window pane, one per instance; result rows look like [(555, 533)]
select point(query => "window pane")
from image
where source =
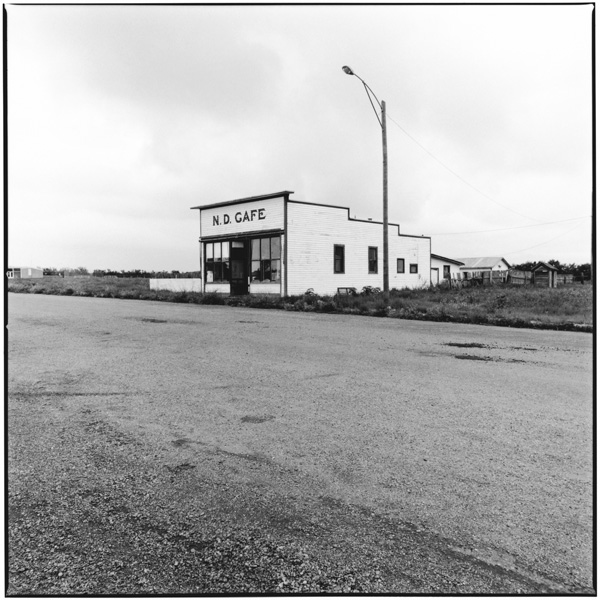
[(225, 250), (264, 248), (275, 270), (413, 268), (266, 266), (256, 270), (217, 250), (209, 251), (338, 259), (400, 265), (218, 271), (276, 247), (226, 271), (372, 260), (255, 249)]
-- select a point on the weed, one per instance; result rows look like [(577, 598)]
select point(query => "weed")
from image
[(567, 307)]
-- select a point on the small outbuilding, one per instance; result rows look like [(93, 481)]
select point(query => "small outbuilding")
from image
[(444, 269), (545, 275), (272, 244), (24, 273), (484, 267)]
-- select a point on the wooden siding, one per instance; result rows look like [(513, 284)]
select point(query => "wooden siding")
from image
[(313, 230)]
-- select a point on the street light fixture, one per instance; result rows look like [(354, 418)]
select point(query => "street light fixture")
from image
[(382, 123)]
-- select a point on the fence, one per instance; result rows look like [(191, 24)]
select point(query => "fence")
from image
[(511, 276)]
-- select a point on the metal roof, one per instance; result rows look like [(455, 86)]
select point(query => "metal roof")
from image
[(482, 262), (446, 259), (543, 264)]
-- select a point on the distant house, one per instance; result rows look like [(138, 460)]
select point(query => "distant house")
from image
[(477, 266), (444, 268), (545, 275), (24, 273)]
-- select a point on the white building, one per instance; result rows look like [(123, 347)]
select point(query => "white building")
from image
[(481, 264), (24, 273), (444, 268), (274, 245)]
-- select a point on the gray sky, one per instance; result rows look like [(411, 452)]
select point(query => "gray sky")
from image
[(123, 117)]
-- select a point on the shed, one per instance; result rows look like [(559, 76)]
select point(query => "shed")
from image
[(479, 265), (443, 268), (545, 275), (24, 273)]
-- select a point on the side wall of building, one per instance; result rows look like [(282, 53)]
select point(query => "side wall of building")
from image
[(455, 271), (314, 230)]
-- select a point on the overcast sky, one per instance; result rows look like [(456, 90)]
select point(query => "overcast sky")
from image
[(121, 118)]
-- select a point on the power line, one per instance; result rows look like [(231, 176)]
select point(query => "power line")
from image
[(543, 243), (456, 174), (511, 228)]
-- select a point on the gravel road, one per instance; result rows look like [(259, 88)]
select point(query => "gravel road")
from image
[(167, 448)]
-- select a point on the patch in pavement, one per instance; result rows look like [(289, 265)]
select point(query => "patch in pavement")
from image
[(488, 358), (181, 442), (257, 419), (473, 357), (149, 320), (182, 467), (470, 345)]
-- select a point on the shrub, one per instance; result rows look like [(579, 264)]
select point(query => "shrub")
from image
[(213, 299)]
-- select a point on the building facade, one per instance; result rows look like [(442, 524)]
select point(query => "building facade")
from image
[(272, 244)]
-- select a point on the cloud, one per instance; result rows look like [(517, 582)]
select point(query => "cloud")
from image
[(132, 114)]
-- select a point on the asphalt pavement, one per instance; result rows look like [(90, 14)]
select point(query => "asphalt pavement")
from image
[(477, 440)]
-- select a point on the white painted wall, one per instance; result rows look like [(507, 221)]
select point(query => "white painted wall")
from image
[(217, 288), (177, 285), (245, 217), (455, 271), (265, 288), (313, 230)]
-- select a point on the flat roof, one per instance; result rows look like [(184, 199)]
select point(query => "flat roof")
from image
[(240, 200), (286, 193)]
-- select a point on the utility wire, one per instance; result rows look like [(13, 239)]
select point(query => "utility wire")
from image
[(543, 243), (456, 174), (511, 228)]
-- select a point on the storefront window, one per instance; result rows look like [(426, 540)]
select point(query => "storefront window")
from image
[(216, 264), (266, 259)]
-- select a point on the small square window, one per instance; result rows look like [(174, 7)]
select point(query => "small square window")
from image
[(400, 265), (414, 268), (338, 259), (372, 259)]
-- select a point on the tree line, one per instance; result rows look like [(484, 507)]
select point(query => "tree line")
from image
[(141, 273), (578, 271)]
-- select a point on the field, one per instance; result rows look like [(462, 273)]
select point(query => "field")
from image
[(568, 307), (159, 448)]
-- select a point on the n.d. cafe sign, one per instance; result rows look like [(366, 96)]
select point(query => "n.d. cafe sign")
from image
[(241, 216)]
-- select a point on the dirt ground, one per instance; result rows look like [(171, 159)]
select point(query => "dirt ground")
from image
[(161, 448)]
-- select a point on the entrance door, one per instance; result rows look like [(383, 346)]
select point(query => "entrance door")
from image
[(239, 268)]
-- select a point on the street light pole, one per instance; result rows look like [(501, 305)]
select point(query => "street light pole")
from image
[(386, 266), (382, 123)]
